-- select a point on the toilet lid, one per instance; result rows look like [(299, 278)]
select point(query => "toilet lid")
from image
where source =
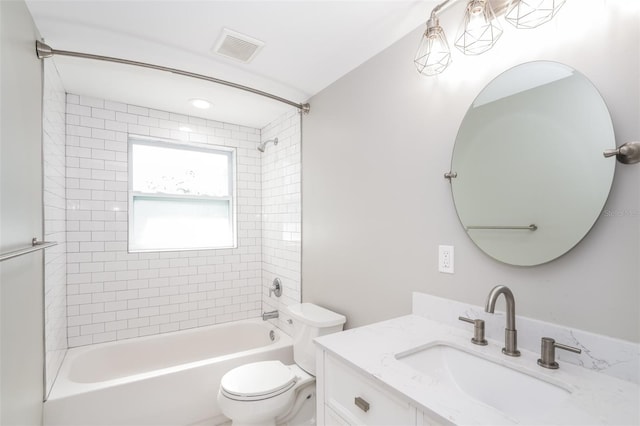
[(258, 380)]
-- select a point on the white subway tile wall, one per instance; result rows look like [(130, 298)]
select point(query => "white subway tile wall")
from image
[(281, 214), (113, 294), (55, 291)]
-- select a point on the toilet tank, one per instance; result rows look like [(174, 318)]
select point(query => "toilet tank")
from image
[(311, 321)]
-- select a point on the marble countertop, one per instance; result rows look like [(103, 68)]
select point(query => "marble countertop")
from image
[(594, 398)]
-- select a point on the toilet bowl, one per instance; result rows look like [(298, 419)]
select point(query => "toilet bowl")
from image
[(270, 393), (263, 393)]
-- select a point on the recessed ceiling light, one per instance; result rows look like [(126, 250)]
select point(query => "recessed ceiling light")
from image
[(185, 129), (200, 103)]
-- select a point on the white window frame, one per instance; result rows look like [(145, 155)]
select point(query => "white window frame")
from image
[(175, 144)]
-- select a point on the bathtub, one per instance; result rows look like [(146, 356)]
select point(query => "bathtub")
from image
[(167, 379)]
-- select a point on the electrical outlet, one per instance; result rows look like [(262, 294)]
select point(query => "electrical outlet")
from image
[(445, 259)]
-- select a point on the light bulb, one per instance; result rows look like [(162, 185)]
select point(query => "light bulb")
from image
[(479, 29)]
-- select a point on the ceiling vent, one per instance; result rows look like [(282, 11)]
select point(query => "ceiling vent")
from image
[(237, 46)]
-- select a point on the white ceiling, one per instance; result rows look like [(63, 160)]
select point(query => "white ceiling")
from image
[(308, 45)]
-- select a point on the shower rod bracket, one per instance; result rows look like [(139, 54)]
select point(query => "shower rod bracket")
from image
[(44, 51)]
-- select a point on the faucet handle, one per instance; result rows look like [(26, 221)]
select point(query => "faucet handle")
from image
[(276, 288), (478, 330), (548, 352)]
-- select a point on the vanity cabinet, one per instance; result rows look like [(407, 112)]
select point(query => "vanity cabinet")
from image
[(346, 397), (412, 370)]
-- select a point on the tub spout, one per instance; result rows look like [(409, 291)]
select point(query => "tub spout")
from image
[(270, 315)]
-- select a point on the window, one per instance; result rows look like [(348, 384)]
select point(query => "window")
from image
[(181, 197)]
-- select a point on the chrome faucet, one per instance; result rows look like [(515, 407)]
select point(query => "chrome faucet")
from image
[(270, 315), (510, 332)]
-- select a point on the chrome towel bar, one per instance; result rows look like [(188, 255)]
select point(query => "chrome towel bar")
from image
[(35, 245), (531, 227)]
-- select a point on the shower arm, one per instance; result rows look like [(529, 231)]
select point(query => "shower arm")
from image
[(44, 51), (263, 145)]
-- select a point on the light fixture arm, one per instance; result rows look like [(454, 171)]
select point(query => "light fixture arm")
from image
[(433, 17), (444, 5)]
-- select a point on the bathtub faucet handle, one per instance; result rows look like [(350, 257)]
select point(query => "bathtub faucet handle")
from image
[(276, 288)]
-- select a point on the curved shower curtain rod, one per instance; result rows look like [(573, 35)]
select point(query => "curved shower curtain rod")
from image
[(44, 51)]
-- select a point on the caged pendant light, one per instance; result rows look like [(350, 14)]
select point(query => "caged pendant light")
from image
[(532, 13), (433, 54), (479, 30)]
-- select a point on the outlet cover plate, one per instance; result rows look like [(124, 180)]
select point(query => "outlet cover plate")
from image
[(445, 259)]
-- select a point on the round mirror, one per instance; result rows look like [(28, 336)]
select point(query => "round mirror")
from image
[(531, 178)]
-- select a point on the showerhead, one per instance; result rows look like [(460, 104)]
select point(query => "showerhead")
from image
[(262, 146)]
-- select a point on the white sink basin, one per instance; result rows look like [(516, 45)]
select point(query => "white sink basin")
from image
[(514, 393)]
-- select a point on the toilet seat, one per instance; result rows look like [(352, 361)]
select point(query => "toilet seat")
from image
[(258, 381)]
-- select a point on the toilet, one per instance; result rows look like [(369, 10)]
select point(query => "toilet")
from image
[(270, 393)]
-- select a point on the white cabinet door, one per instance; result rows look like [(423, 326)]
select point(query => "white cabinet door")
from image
[(430, 419), (333, 419), (358, 400)]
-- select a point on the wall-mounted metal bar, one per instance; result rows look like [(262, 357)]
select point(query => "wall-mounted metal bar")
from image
[(44, 51), (35, 246), (531, 227)]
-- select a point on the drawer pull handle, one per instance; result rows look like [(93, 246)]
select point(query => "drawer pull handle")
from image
[(362, 404)]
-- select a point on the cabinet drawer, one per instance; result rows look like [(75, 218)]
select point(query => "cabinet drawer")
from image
[(360, 401), (332, 418)]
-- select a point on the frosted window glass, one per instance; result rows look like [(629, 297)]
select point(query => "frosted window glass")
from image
[(165, 170), (181, 197), (174, 224)]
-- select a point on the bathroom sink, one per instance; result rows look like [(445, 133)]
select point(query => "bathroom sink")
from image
[(506, 389)]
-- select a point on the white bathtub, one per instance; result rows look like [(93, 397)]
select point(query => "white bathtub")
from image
[(167, 379)]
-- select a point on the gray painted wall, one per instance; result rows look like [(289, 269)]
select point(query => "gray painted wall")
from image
[(21, 279), (376, 206)]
